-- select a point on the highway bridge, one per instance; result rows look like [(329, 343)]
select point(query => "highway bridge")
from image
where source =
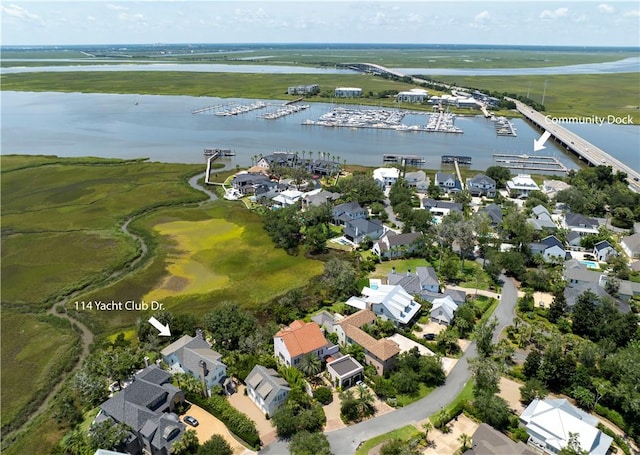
[(585, 150), (372, 68)]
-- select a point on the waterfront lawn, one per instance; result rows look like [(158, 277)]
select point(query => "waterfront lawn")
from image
[(401, 265), (35, 351), (572, 95)]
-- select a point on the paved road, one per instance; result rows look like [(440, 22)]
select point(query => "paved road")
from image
[(346, 441)]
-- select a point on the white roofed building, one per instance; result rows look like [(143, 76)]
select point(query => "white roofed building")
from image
[(415, 95), (347, 92), (521, 185), (388, 302), (386, 176)]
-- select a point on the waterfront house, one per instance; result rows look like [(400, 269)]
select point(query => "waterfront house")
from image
[(441, 208), (292, 343), (318, 197), (266, 389), (386, 177), (552, 187), (194, 356), (148, 407), (347, 92), (287, 198), (481, 185), (415, 95), (392, 245), (310, 89), (418, 180), (448, 182), (246, 182), (551, 422), (521, 186)]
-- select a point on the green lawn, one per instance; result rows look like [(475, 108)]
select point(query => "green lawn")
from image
[(404, 433), (405, 400), (401, 266)]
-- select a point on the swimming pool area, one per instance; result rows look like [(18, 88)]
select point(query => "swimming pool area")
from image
[(590, 264)]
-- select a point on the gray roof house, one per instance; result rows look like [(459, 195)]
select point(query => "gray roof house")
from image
[(325, 319), (551, 249), (193, 355), (266, 389), (550, 423), (488, 441), (481, 185), (147, 406), (318, 197), (602, 250), (345, 371), (348, 211), (576, 272), (441, 208), (443, 310), (631, 245), (418, 180), (581, 224), (541, 219), (424, 280), (494, 212), (246, 182), (357, 230), (448, 182), (459, 297), (392, 245)]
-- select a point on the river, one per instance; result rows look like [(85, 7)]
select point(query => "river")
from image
[(163, 128)]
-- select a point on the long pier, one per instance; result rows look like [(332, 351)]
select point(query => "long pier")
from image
[(530, 163), (585, 150)]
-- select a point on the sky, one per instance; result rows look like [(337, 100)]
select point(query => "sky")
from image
[(566, 23)]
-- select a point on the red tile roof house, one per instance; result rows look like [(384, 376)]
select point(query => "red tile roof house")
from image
[(292, 343)]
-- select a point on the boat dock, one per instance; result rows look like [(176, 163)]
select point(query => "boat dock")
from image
[(504, 127), (448, 159), (217, 107), (286, 109), (530, 163), (412, 160), (213, 153), (442, 122)]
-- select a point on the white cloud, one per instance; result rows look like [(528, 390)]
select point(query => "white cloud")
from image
[(632, 13), (482, 17), (20, 13), (604, 8), (554, 14), (91, 18)]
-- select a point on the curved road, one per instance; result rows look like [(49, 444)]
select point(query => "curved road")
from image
[(346, 440)]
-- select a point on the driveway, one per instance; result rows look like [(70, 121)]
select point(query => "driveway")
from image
[(347, 440), (448, 442), (210, 425), (243, 403)]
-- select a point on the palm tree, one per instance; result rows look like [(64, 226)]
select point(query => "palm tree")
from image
[(427, 427), (465, 440), (310, 364)]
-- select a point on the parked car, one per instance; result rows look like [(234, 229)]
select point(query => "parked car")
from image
[(429, 336), (191, 421)]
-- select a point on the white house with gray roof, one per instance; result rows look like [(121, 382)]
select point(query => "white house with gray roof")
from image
[(424, 280), (193, 355), (443, 310), (481, 185), (148, 408), (388, 302), (521, 185), (392, 245), (266, 389), (357, 230), (345, 371), (550, 423), (631, 245)]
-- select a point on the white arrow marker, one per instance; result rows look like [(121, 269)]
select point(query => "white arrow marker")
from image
[(539, 144), (164, 329)]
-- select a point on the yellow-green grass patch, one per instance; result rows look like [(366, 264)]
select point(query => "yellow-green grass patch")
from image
[(40, 437), (405, 433), (401, 266), (34, 347)]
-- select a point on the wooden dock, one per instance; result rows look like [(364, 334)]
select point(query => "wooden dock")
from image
[(411, 160), (214, 154), (448, 159), (530, 163)]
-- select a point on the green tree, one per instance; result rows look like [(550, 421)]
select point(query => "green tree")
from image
[(305, 443), (558, 306), (398, 447), (532, 389), (464, 319), (465, 440), (499, 174), (187, 444), (76, 442), (532, 363), (283, 226), (486, 375), (484, 337), (492, 410), (217, 445), (573, 446), (340, 278), (323, 395), (107, 435), (316, 238), (228, 325), (584, 397), (360, 187), (310, 364)]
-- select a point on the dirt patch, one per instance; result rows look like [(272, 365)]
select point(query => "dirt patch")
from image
[(510, 392), (175, 283)]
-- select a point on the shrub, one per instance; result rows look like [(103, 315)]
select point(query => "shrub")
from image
[(323, 395)]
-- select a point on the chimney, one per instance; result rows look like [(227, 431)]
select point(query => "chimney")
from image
[(146, 360), (393, 270), (408, 272), (199, 333)]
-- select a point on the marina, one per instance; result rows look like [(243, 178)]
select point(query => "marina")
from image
[(237, 109), (442, 122), (285, 110), (530, 163), (504, 127)]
